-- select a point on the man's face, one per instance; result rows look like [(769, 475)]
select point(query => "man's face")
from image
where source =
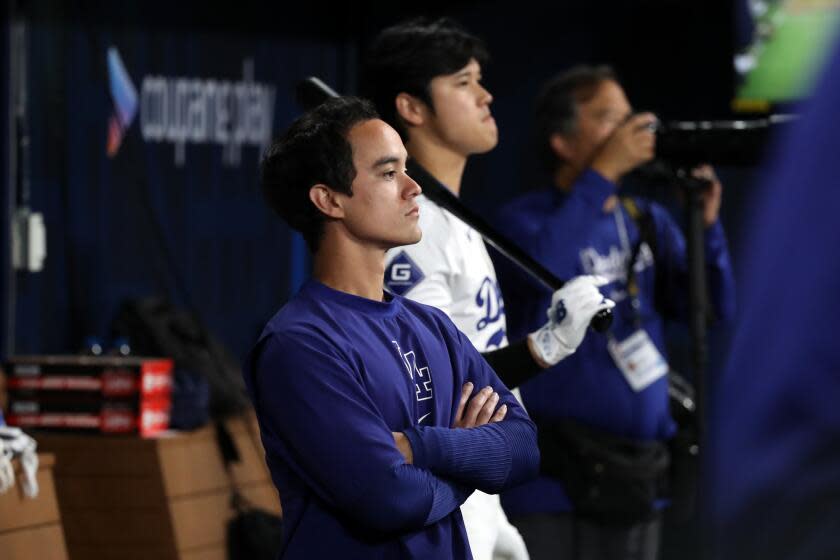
[(462, 119), (382, 211), (597, 118)]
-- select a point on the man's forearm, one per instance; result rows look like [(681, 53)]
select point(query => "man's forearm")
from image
[(408, 498), (491, 457)]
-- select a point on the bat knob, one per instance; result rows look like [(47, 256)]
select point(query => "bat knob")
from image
[(602, 321)]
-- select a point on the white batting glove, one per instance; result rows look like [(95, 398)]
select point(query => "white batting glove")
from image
[(15, 443), (572, 308)]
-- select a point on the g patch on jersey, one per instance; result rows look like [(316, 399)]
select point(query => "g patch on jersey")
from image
[(402, 274)]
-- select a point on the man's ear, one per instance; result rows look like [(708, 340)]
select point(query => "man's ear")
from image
[(560, 146), (410, 109), (325, 200)]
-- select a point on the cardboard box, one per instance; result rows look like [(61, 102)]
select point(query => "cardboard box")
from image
[(166, 497), (106, 394), (31, 527), (145, 553), (44, 543), (17, 511), (182, 524), (182, 463)]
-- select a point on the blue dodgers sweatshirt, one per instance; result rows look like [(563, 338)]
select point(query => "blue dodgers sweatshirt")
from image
[(331, 377), (570, 234)]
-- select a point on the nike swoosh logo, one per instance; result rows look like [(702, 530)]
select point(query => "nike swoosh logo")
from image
[(423, 418)]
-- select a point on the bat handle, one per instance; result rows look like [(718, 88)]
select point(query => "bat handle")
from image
[(602, 320)]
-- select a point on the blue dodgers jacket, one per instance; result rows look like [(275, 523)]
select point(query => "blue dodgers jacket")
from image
[(332, 376), (571, 234), (775, 464)]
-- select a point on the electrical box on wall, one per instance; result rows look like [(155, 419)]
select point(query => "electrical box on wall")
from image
[(29, 241)]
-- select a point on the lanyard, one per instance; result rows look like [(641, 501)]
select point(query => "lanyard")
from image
[(632, 255)]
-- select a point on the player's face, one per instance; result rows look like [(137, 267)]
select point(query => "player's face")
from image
[(597, 119), (462, 119), (383, 209)]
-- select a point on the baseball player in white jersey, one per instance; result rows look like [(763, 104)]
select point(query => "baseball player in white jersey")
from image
[(425, 78), (450, 269)]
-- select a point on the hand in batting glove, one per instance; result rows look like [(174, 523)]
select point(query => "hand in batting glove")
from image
[(572, 308)]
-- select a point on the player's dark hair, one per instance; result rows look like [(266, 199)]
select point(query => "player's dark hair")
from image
[(314, 150), (406, 57)]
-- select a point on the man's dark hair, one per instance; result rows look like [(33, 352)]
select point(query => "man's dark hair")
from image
[(406, 57), (556, 107), (314, 150)]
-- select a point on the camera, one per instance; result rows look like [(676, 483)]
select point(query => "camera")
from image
[(734, 143)]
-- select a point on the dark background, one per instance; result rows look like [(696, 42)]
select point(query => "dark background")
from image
[(138, 225)]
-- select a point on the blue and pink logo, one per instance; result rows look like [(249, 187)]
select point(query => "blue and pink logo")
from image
[(124, 96)]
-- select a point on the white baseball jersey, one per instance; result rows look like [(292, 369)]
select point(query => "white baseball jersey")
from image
[(450, 269)]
